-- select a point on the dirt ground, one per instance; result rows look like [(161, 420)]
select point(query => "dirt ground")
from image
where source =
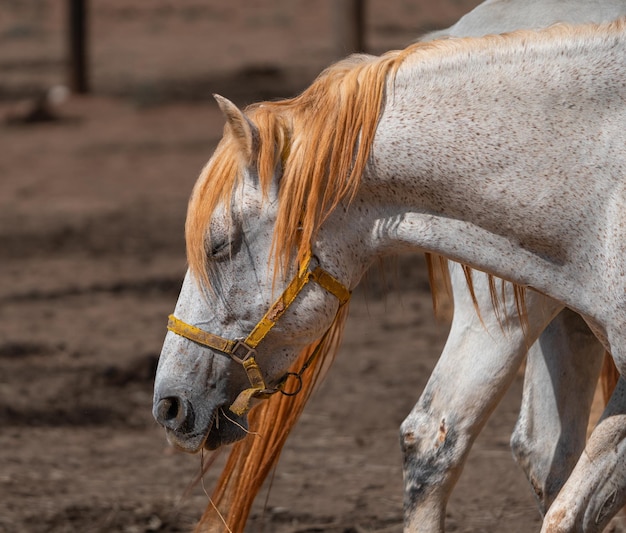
[(91, 260)]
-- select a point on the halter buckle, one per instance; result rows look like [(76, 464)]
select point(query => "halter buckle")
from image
[(241, 352)]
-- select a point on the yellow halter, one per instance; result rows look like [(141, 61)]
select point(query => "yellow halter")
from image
[(244, 351)]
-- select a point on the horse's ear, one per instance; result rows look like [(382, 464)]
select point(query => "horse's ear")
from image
[(240, 125)]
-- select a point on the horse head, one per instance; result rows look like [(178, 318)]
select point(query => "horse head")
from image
[(242, 316)]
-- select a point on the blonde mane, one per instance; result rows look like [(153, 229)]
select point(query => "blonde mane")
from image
[(321, 141), (252, 459), (322, 138)]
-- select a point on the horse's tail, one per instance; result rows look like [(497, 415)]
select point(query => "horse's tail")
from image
[(608, 377), (251, 460)]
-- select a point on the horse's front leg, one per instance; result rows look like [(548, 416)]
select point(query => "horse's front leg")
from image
[(478, 363), (562, 369), (437, 435), (596, 489)]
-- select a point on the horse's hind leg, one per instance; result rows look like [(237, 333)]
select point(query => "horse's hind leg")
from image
[(478, 363), (596, 489), (561, 373)]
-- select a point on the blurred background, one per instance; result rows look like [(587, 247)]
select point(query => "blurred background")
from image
[(161, 51), (106, 119)]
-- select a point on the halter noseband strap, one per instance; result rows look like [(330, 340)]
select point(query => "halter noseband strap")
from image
[(244, 351)]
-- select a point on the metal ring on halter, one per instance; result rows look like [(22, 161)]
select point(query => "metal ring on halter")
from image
[(284, 380)]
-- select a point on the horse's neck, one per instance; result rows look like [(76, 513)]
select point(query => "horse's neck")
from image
[(504, 164)]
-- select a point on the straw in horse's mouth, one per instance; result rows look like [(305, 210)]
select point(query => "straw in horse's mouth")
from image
[(215, 436), (240, 426), (212, 424)]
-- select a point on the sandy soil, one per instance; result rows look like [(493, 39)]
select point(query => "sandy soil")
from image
[(91, 218)]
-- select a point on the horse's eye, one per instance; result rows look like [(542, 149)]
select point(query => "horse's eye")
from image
[(223, 238), (218, 248)]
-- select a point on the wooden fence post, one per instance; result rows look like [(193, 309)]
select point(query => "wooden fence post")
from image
[(77, 46), (349, 26)]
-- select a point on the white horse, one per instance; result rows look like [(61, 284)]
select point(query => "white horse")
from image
[(504, 153), (561, 368)]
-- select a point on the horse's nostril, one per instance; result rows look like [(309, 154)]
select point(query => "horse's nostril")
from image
[(168, 408), (174, 413)]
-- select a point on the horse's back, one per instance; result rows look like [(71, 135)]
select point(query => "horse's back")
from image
[(501, 16)]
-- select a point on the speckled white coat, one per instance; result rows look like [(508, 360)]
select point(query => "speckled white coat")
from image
[(510, 163), (561, 231), (561, 368)]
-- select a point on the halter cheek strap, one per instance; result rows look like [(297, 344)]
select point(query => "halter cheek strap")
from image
[(244, 351)]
